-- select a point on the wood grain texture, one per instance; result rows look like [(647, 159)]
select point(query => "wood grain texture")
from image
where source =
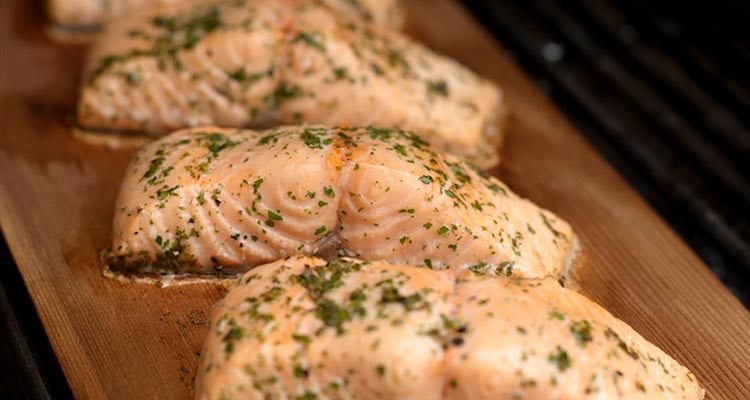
[(135, 341)]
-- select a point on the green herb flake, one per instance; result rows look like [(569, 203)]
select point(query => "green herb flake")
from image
[(153, 167), (308, 395), (497, 189), (506, 268), (234, 334), (560, 358), (581, 331), (549, 226), (305, 340), (438, 87), (309, 39), (256, 185), (275, 217), (311, 140), (340, 73), (300, 372), (556, 314), (166, 191), (400, 149), (611, 334), (216, 142)]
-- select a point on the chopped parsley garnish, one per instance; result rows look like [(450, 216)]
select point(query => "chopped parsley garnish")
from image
[(234, 334), (340, 73), (166, 191), (560, 358), (175, 35), (506, 267), (282, 92), (245, 79), (201, 197), (256, 185), (153, 167), (309, 39), (438, 87), (132, 79), (497, 189), (305, 340), (556, 314), (332, 315), (311, 140), (611, 334), (381, 134), (412, 302), (581, 331), (549, 226), (216, 142), (400, 149), (301, 372), (308, 395)]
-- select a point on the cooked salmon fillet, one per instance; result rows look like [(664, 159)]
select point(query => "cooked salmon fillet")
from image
[(90, 14), (211, 200), (267, 63), (303, 328)]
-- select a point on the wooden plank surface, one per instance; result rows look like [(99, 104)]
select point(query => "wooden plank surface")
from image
[(136, 341)]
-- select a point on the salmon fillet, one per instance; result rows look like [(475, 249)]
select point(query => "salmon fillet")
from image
[(90, 14), (267, 63), (303, 328), (211, 200)]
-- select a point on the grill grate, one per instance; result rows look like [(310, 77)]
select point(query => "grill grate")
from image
[(662, 91)]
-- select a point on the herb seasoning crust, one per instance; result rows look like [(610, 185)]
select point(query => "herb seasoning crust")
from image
[(260, 63), (220, 201), (304, 328)]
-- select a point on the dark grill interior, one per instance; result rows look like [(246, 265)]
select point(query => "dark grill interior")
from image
[(661, 89)]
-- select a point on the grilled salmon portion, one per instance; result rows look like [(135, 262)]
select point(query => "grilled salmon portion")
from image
[(534, 339), (303, 328), (90, 14), (275, 62), (211, 200)]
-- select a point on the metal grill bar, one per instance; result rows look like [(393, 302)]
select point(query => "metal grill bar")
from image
[(663, 102)]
